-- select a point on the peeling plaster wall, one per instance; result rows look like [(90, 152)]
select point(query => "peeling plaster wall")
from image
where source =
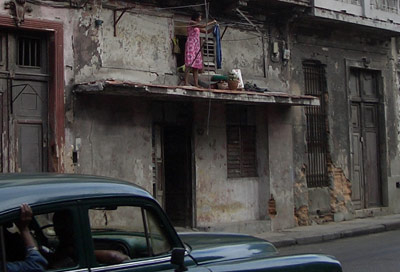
[(219, 199), (335, 49), (242, 49), (115, 135), (141, 50), (393, 191), (280, 145)]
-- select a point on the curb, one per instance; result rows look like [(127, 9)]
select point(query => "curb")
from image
[(319, 238)]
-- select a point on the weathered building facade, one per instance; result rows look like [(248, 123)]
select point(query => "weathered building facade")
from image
[(92, 87)]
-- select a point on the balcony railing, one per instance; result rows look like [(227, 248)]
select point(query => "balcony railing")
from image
[(383, 5), (353, 2), (383, 14), (386, 5)]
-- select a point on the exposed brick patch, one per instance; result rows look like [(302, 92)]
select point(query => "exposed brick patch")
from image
[(340, 191), (301, 216)]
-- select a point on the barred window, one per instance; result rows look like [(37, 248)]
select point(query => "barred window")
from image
[(29, 52), (317, 144), (241, 142)]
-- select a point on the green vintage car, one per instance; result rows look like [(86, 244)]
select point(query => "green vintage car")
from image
[(87, 223)]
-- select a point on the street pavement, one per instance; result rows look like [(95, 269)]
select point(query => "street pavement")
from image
[(331, 231)]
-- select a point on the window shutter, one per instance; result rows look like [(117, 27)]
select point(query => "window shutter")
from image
[(248, 151), (241, 151), (233, 151), (209, 59)]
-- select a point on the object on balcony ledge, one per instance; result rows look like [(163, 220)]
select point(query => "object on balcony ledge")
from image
[(233, 81), (250, 87)]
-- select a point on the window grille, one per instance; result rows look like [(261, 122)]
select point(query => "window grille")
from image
[(29, 52), (317, 145), (241, 142)]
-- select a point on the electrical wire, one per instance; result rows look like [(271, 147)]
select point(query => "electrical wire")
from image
[(54, 5), (181, 7), (245, 39)]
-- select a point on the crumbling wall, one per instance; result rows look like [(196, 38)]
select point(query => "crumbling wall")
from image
[(242, 49), (337, 51), (138, 49), (340, 192), (300, 190)]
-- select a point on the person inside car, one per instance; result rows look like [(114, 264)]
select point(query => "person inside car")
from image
[(65, 253), (33, 261)]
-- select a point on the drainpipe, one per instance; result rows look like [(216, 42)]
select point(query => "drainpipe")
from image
[(263, 54)]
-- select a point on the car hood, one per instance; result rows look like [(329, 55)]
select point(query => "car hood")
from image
[(218, 247)]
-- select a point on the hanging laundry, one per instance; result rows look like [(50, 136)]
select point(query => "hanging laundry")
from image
[(176, 49), (217, 35)]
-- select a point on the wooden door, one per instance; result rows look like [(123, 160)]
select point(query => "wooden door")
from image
[(24, 93), (366, 179), (158, 162)]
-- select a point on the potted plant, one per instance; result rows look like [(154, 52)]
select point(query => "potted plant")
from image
[(233, 81)]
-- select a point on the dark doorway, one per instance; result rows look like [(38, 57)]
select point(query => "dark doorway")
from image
[(178, 174), (366, 179)]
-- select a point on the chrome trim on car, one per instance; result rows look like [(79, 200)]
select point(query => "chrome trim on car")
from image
[(131, 264), (79, 270)]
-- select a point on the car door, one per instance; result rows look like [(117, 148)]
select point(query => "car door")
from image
[(48, 236), (134, 229)]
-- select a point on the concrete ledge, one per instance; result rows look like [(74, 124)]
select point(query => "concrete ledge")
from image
[(392, 226), (309, 240), (363, 231), (284, 243), (331, 236), (331, 231)]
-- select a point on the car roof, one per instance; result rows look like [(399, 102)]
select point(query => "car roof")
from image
[(41, 188)]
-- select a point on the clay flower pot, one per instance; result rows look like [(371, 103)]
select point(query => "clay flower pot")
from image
[(233, 84)]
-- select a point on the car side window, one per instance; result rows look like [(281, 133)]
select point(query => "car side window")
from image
[(54, 235), (126, 233)]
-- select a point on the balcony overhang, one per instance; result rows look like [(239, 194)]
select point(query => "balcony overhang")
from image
[(127, 88), (353, 14)]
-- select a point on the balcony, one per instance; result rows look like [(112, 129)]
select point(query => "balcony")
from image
[(381, 14)]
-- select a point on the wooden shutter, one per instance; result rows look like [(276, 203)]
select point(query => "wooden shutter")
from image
[(233, 151), (209, 57), (241, 151), (248, 160)]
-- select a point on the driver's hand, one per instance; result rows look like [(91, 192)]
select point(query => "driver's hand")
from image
[(25, 217)]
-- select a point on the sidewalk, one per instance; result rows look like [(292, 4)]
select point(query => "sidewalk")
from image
[(331, 231)]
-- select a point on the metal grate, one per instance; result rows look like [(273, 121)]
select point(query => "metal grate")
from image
[(315, 85), (29, 52)]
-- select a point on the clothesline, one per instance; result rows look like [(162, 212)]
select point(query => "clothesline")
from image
[(181, 7)]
